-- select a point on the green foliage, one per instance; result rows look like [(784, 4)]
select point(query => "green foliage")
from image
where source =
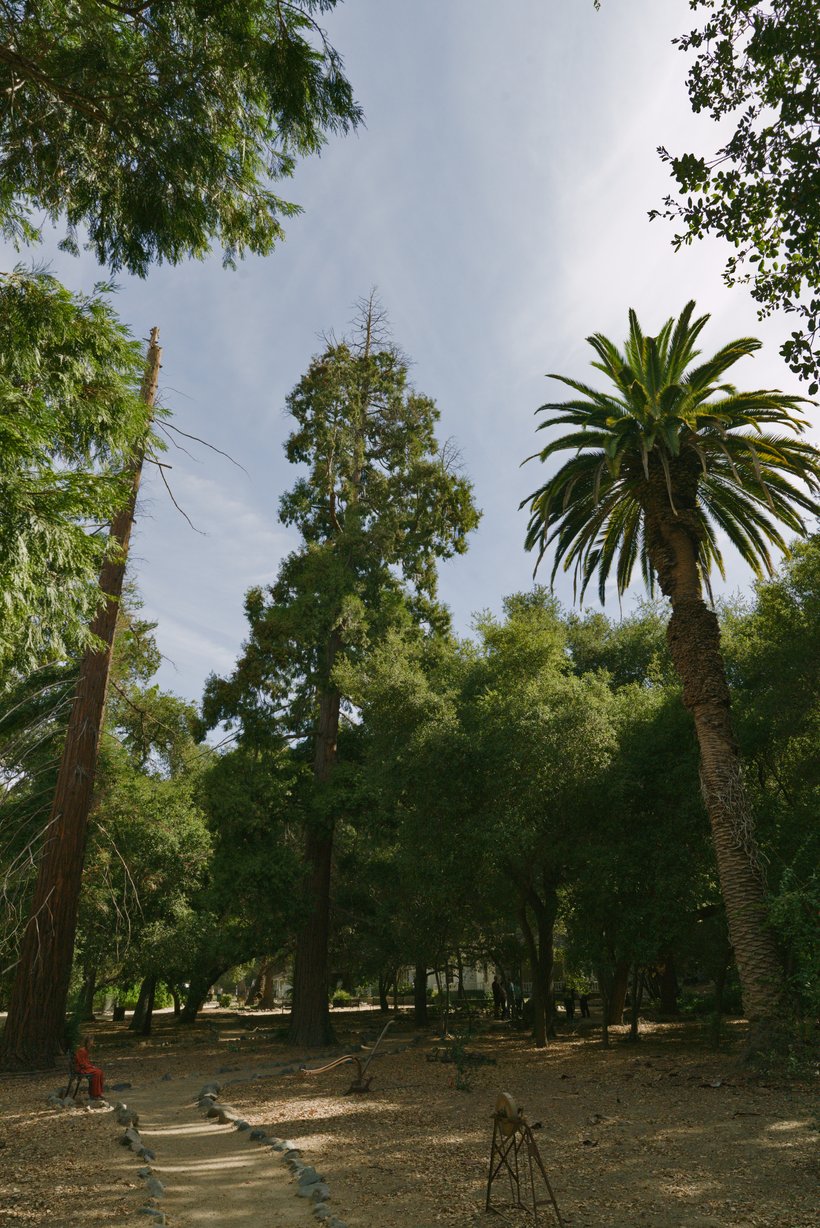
[(70, 421), (159, 127), (380, 502), (672, 442), (772, 656), (758, 67)]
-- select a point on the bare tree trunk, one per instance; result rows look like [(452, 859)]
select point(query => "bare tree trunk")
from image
[(138, 1017), (384, 1005), (38, 999), (617, 993), (635, 1000), (669, 987), (266, 1001), (310, 1015), (148, 1013), (420, 995)]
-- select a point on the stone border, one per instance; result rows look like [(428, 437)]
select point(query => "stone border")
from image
[(310, 1184), (131, 1139)]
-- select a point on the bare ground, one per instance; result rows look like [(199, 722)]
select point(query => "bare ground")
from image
[(665, 1133)]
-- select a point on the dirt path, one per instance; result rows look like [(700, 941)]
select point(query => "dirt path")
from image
[(211, 1173)]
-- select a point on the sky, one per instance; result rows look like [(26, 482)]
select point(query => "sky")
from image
[(497, 198)]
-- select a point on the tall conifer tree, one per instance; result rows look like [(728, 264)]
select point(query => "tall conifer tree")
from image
[(381, 500)]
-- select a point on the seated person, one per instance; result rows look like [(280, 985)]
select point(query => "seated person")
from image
[(82, 1062)]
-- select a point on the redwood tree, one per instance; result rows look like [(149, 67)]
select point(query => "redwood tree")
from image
[(36, 1017), (379, 502)]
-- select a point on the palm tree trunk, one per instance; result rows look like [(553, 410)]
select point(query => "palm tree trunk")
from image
[(694, 642)]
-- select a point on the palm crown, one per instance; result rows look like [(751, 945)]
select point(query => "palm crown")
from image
[(670, 440)]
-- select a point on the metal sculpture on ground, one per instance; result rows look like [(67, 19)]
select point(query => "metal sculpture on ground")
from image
[(512, 1135), (359, 1084)]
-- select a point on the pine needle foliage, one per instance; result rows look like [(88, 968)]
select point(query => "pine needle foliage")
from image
[(70, 418), (159, 126)]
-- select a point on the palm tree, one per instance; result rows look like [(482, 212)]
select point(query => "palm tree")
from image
[(666, 457)]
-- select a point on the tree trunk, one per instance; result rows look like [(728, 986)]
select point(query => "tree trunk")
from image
[(420, 996), (176, 1000), (384, 1005), (86, 1003), (138, 1017), (669, 987), (266, 1000), (542, 954), (694, 642), (310, 1014), (635, 1001), (148, 1013), (617, 993), (198, 992), (36, 1015)]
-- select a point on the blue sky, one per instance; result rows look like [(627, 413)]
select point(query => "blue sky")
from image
[(498, 199)]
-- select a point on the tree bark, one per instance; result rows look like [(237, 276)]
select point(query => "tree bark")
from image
[(148, 1013), (266, 1000), (420, 995), (617, 993), (694, 642), (198, 992), (37, 1007), (87, 995), (542, 954), (669, 987), (138, 1017), (384, 1005), (310, 1014)]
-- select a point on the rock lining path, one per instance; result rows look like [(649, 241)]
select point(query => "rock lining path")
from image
[(212, 1174)]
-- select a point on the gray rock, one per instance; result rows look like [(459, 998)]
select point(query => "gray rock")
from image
[(304, 1191), (132, 1137), (337, 1223), (127, 1117), (155, 1187), (145, 1153), (319, 1192), (258, 1134), (322, 1211), (120, 1087), (241, 1124), (292, 1158), (308, 1175), (208, 1088), (285, 1145), (157, 1216), (144, 1172), (166, 1078), (54, 1100), (68, 1102)]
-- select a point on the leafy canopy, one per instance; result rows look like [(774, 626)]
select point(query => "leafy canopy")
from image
[(70, 419), (758, 67), (159, 126), (672, 441)]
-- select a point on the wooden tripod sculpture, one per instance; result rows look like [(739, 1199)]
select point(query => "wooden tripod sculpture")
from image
[(512, 1135)]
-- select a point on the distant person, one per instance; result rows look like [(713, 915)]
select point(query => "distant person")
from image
[(82, 1062), (569, 1003), (583, 1002), (499, 999)]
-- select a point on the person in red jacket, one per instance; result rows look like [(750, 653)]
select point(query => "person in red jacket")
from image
[(82, 1060)]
